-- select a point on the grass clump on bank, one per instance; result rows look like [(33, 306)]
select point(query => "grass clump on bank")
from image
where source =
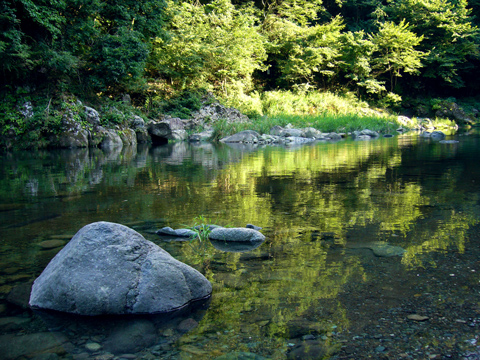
[(324, 111)]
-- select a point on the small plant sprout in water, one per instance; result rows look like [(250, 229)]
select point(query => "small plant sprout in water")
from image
[(201, 228)]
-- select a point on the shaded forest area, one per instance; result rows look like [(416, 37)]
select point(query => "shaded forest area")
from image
[(382, 51)]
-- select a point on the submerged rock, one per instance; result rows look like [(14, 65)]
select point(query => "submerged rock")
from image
[(51, 244), (386, 250), (380, 249), (108, 268), (435, 135)]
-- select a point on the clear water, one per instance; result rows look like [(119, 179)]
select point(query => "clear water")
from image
[(327, 211)]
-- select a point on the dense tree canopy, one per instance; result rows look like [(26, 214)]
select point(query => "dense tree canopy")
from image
[(377, 48), (94, 44)]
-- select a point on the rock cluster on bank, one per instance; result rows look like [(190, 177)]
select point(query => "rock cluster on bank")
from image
[(109, 268), (289, 135), (84, 127)]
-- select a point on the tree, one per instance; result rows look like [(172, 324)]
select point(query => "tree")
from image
[(306, 55), (356, 60), (303, 51), (449, 36), (79, 41), (214, 46), (15, 54), (395, 52)]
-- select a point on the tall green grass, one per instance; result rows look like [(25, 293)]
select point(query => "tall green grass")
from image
[(324, 111)]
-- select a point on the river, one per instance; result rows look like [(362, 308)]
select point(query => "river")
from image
[(372, 248)]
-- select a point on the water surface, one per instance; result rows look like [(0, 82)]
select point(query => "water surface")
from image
[(335, 215)]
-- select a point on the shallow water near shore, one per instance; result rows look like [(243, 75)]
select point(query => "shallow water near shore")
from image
[(372, 248)]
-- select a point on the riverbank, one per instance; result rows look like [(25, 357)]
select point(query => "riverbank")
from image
[(30, 120)]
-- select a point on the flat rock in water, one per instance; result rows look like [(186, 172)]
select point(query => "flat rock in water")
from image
[(178, 232), (236, 234), (381, 249), (109, 268), (386, 250), (417, 317), (50, 244)]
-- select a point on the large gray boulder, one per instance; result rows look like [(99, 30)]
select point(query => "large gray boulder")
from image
[(111, 139), (92, 116), (236, 234), (129, 137), (108, 268), (72, 139)]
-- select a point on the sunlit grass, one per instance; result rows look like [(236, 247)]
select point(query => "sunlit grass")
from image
[(324, 111), (311, 103)]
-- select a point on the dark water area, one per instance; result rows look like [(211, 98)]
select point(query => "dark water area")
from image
[(372, 248)]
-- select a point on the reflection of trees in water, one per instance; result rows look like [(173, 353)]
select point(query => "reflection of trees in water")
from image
[(279, 291)]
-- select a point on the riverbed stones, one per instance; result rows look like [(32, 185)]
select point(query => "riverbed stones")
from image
[(30, 345), (435, 135), (108, 268), (131, 337), (417, 317), (246, 136), (365, 134), (236, 234)]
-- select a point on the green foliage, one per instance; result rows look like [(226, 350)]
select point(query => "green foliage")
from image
[(356, 57), (314, 102), (200, 240), (449, 37), (15, 54), (29, 120), (181, 105), (304, 54), (212, 46), (201, 228), (162, 52), (301, 12), (89, 45), (395, 51), (118, 60)]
